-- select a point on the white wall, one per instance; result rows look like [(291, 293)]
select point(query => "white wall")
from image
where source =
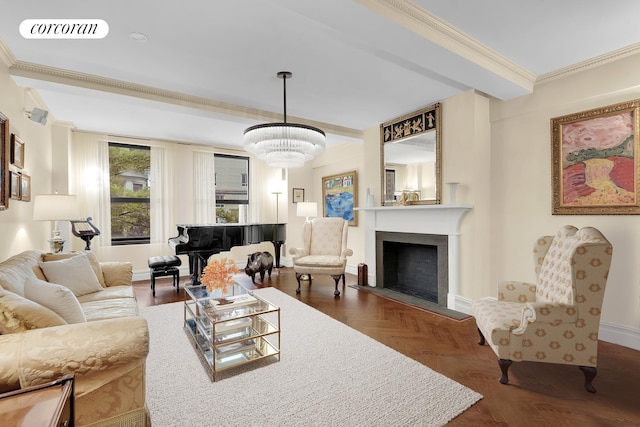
[(521, 185), (17, 229), (335, 160)]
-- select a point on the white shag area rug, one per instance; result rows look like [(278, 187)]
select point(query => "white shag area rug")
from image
[(329, 375)]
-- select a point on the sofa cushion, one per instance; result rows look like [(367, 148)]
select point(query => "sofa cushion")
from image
[(15, 270), (55, 297), (18, 314), (112, 292), (117, 273), (75, 273), (109, 309), (93, 260)]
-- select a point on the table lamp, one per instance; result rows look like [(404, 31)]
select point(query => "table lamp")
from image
[(56, 207), (307, 209)]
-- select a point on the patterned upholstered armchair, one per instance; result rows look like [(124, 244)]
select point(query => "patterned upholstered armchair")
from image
[(325, 250), (557, 319)]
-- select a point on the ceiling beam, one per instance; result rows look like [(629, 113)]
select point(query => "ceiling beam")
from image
[(119, 87)]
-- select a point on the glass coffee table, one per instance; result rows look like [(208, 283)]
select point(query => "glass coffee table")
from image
[(232, 329)]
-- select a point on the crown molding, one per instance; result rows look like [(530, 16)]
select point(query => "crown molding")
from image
[(590, 63), (6, 55), (90, 81), (407, 14)]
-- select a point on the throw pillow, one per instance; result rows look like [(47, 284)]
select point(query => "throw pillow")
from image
[(75, 273), (93, 260), (55, 297), (18, 314)]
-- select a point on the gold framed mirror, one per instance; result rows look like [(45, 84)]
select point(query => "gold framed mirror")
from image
[(410, 158)]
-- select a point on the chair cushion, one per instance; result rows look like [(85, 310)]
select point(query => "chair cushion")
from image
[(319, 261), (496, 319)]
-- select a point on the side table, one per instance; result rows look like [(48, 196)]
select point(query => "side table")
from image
[(48, 404)]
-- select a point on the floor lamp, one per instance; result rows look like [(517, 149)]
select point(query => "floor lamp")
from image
[(277, 193)]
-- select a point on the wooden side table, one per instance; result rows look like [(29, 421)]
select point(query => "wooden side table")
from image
[(43, 405)]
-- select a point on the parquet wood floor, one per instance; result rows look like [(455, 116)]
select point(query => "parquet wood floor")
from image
[(538, 394)]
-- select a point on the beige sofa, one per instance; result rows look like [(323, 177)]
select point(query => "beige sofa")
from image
[(105, 347)]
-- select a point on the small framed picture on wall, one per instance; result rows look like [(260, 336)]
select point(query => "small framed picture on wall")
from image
[(25, 188), (15, 185), (298, 195), (17, 151)]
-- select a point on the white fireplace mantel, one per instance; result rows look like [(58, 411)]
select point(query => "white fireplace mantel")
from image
[(421, 219)]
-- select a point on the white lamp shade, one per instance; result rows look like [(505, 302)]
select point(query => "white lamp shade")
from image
[(278, 186), (307, 209), (55, 207)]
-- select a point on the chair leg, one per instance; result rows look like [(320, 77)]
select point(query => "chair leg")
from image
[(298, 275), (590, 373), (153, 284), (504, 367), (344, 280), (481, 342), (337, 278)]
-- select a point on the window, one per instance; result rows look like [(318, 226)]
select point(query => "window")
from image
[(232, 188), (129, 167)]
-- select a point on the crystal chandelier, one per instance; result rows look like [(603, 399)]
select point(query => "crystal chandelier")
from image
[(284, 145)]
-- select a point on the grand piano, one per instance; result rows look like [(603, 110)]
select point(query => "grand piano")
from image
[(200, 241)]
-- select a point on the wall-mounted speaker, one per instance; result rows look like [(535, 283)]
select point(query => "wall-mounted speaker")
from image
[(38, 115)]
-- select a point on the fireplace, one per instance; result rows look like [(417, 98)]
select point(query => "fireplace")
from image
[(409, 225), (413, 264)]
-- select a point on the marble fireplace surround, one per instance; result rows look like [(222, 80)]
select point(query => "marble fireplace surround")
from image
[(421, 219)]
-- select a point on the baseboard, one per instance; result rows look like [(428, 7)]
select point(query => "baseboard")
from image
[(620, 334), (463, 305)]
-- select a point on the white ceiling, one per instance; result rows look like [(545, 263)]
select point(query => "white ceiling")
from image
[(208, 69)]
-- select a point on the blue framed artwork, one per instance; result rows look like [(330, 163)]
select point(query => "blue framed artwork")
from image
[(340, 196)]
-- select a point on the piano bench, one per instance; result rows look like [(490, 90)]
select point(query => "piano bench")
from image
[(160, 266)]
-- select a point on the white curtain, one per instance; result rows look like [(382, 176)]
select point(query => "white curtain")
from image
[(266, 180), (91, 179), (162, 201), (204, 192)]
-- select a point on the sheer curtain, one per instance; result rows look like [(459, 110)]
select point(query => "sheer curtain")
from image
[(162, 196), (91, 160), (204, 192), (264, 181)]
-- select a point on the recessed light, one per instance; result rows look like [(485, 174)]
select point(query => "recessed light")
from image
[(139, 37)]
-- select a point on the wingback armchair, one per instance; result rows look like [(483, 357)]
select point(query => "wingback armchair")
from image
[(324, 252), (555, 320)]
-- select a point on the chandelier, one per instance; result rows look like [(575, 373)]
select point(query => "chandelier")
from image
[(284, 145)]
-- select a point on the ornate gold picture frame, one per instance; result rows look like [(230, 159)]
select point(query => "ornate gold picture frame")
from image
[(595, 161)]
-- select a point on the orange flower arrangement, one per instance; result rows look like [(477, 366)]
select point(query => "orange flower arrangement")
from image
[(217, 274)]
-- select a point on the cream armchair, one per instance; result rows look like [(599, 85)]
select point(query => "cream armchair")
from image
[(557, 319), (325, 250)]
